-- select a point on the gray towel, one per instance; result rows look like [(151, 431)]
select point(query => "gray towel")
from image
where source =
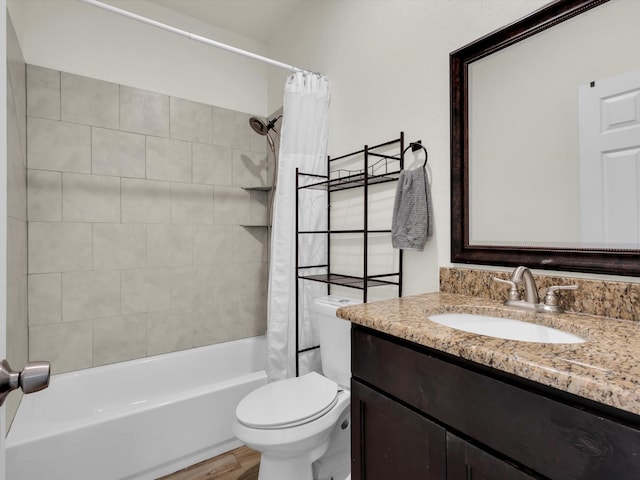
[(412, 223)]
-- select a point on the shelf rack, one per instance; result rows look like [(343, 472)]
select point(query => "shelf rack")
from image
[(377, 168)]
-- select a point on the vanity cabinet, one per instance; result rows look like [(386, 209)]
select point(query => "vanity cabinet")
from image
[(418, 413)]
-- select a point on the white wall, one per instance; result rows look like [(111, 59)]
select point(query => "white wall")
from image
[(389, 65), (77, 38)]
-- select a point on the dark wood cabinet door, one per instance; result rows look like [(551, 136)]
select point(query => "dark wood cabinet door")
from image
[(467, 462), (391, 442)]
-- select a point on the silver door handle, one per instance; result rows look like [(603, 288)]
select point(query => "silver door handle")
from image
[(33, 378)]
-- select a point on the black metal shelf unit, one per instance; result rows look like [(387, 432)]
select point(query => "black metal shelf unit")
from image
[(377, 168)]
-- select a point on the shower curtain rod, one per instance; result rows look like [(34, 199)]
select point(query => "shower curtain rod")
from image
[(193, 36)]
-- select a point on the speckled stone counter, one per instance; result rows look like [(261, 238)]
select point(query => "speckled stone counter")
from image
[(605, 368)]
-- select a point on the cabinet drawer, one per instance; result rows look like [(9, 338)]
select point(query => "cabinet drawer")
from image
[(555, 439)]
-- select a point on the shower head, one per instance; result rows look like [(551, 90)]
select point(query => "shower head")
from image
[(260, 127)]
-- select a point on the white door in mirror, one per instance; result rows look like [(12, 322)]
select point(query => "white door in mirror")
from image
[(609, 125), (506, 328)]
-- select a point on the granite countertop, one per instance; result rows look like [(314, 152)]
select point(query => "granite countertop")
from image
[(605, 368)]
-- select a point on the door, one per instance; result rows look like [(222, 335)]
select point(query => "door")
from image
[(3, 215), (609, 129), (390, 441)]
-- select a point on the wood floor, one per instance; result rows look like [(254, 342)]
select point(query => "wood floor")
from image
[(239, 464)]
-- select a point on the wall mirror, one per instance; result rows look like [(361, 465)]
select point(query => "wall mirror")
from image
[(545, 141)]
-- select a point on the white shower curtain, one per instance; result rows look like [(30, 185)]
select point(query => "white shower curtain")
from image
[(303, 145)]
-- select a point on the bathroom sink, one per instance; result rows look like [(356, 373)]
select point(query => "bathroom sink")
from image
[(506, 328)]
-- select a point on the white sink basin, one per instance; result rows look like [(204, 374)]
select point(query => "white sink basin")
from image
[(506, 328)]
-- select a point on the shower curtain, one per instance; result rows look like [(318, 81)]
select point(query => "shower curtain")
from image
[(303, 145)]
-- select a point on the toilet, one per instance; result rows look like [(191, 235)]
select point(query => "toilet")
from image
[(298, 421)]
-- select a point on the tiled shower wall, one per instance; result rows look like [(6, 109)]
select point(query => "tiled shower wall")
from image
[(136, 202)]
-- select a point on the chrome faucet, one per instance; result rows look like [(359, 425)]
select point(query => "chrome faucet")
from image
[(522, 275)]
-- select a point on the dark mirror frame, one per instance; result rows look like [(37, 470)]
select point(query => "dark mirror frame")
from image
[(612, 262)]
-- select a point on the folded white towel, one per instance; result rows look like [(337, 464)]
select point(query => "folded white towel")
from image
[(412, 223)]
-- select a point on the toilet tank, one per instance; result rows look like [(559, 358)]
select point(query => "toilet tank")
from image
[(335, 338)]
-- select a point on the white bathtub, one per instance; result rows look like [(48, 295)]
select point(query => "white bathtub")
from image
[(135, 420)]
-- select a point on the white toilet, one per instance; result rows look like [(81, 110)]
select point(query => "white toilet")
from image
[(294, 422)]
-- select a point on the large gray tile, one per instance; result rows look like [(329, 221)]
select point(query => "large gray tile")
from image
[(259, 207), (229, 282), (169, 331), (250, 318), (16, 130), (142, 111), (45, 299), (231, 205), (59, 247), (183, 286), (231, 129), (169, 245), (44, 196), (168, 159), (16, 181), (191, 203), (251, 281), (191, 121), (17, 119), (271, 167), (117, 153), (145, 201), (146, 290), (89, 101), (90, 198), (246, 317), (91, 294), (193, 286), (117, 339), (212, 244), (16, 69), (58, 146), (16, 249), (210, 326), (249, 169), (17, 335), (16, 185), (117, 246), (43, 92), (17, 330), (68, 346), (212, 164)]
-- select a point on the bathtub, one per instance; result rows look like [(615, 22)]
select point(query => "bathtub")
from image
[(135, 420)]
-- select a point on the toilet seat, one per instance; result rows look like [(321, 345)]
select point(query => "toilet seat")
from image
[(288, 403)]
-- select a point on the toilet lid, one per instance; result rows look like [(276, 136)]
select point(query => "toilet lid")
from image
[(289, 402)]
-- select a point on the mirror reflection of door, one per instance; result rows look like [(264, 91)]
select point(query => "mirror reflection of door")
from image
[(609, 130)]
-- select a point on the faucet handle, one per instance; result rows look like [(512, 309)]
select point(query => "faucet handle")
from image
[(514, 294), (551, 298)]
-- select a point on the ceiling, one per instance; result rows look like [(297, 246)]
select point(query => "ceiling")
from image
[(255, 19)]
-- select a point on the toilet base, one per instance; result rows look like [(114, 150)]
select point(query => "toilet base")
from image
[(285, 468)]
